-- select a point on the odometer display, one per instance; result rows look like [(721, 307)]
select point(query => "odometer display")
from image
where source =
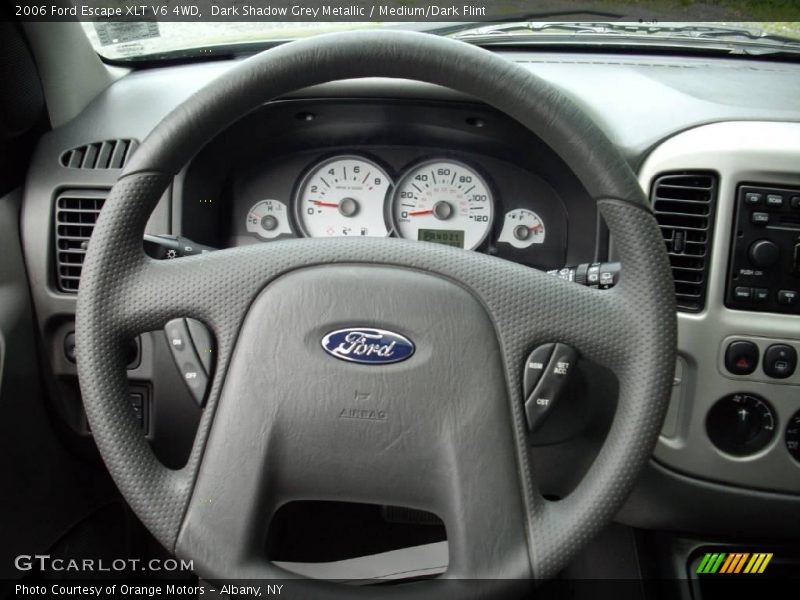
[(442, 236), (443, 201)]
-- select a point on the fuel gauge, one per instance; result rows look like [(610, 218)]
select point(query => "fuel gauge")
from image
[(522, 228)]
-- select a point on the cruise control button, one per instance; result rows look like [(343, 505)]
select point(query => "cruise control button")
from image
[(562, 362), (189, 364), (195, 379), (201, 338), (541, 401), (177, 335), (741, 357), (534, 367), (139, 405), (780, 361)]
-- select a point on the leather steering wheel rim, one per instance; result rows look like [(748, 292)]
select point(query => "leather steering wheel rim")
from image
[(630, 329)]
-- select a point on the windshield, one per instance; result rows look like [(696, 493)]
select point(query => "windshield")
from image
[(179, 29), (126, 40)]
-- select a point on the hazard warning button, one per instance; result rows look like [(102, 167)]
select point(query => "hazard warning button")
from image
[(741, 357)]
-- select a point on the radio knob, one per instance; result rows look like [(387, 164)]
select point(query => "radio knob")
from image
[(764, 253)]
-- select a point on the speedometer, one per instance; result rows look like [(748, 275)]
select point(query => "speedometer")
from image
[(445, 202), (343, 196)]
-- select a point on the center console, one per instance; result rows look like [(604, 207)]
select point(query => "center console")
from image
[(735, 411), (764, 271)]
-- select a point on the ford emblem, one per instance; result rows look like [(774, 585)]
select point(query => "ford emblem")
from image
[(368, 346)]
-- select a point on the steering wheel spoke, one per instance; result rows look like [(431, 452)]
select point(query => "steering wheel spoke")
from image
[(442, 430)]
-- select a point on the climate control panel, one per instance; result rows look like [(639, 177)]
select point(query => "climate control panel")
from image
[(764, 269), (741, 424)]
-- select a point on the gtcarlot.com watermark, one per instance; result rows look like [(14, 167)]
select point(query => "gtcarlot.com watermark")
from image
[(44, 562), (141, 585)]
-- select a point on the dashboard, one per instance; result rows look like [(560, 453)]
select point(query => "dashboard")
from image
[(437, 173), (439, 199), (404, 159), (446, 199)]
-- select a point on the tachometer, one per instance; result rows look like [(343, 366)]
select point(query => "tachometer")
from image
[(343, 196), (268, 219), (445, 202)]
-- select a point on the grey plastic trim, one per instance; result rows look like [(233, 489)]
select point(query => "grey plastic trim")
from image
[(71, 72), (664, 500), (758, 374), (750, 151), (427, 560)]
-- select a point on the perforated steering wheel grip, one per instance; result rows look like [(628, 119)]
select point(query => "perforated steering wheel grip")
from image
[(453, 440)]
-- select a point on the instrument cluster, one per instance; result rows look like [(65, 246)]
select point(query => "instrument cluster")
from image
[(437, 199)]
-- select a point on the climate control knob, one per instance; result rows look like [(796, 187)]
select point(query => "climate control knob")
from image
[(741, 424), (764, 253)]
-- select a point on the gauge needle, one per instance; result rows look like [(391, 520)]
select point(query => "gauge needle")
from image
[(419, 213), (328, 204), (535, 227)]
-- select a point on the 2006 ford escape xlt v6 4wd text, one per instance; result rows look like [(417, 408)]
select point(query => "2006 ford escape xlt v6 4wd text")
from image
[(492, 308)]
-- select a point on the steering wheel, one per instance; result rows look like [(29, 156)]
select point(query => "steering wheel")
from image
[(453, 440)]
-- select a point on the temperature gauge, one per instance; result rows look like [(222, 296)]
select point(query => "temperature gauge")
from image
[(268, 219), (522, 228)]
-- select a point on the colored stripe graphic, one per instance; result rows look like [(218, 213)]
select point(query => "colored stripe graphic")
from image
[(702, 567), (758, 563), (727, 564), (739, 565), (736, 562), (711, 562), (754, 563)]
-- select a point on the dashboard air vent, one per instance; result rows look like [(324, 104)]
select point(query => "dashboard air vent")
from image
[(683, 204), (111, 154), (75, 215)]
